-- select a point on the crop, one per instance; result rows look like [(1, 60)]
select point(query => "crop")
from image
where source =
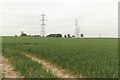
[(26, 67), (93, 58)]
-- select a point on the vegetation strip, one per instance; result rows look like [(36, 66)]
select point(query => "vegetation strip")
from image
[(57, 72), (27, 67), (8, 70), (94, 58)]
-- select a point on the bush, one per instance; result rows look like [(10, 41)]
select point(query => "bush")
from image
[(23, 34), (15, 35), (54, 35)]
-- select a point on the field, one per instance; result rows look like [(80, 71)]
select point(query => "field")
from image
[(91, 58)]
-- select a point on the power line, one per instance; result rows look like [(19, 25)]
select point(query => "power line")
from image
[(43, 33), (77, 29)]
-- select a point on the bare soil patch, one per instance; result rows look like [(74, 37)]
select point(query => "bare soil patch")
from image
[(7, 69)]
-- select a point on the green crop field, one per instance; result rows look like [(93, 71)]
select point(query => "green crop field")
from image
[(92, 58), (27, 67)]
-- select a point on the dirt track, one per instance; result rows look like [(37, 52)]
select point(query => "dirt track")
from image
[(7, 69), (60, 73), (9, 72)]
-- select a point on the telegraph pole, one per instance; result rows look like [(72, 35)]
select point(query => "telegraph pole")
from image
[(43, 33)]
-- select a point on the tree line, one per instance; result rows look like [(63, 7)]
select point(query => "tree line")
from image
[(51, 35)]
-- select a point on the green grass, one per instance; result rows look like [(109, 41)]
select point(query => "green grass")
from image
[(26, 67), (93, 58)]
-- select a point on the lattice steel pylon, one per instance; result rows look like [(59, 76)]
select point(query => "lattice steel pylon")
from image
[(77, 29), (43, 33)]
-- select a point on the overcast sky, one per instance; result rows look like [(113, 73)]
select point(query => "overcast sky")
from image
[(95, 17)]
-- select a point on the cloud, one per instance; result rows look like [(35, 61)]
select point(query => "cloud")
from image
[(94, 16)]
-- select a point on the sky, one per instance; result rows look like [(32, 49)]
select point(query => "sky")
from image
[(95, 17)]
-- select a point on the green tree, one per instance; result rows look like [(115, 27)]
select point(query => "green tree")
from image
[(65, 36), (23, 34)]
